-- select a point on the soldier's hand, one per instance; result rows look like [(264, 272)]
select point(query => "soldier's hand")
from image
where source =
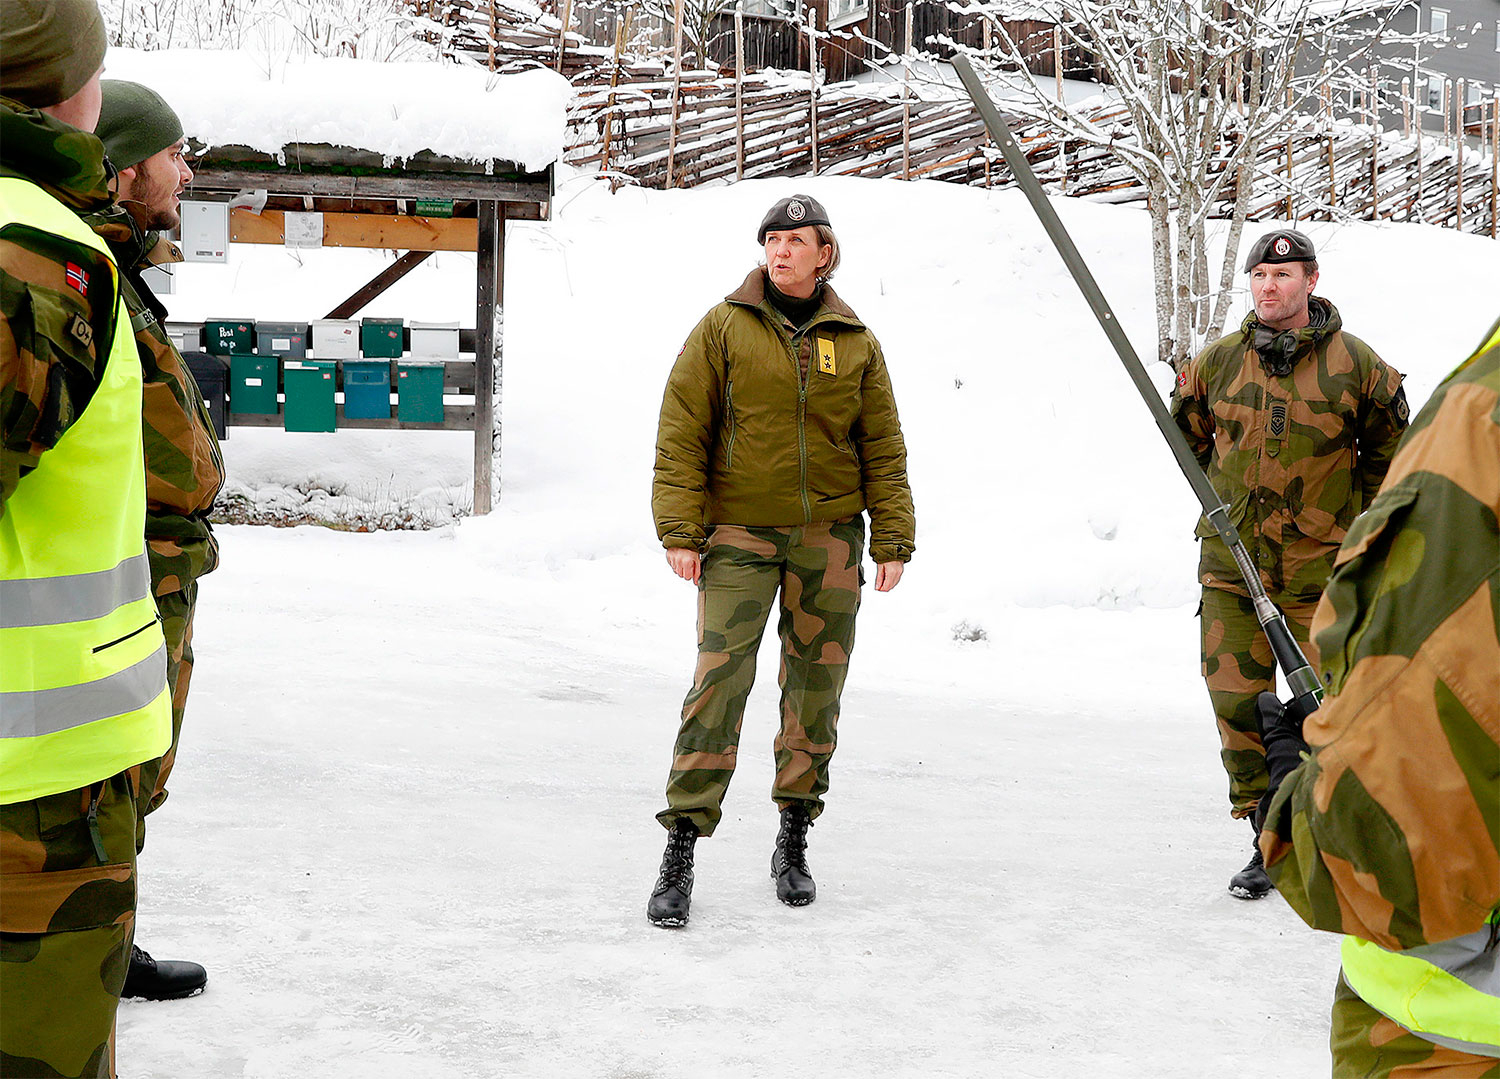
[(686, 563), (1281, 735), (888, 575)]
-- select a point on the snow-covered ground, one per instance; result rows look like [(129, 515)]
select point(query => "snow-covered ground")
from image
[(411, 830)]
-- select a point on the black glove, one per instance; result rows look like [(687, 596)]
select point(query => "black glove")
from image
[(1281, 735)]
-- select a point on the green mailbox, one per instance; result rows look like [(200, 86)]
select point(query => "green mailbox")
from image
[(252, 384), (382, 338), (229, 336), (309, 386), (419, 391)]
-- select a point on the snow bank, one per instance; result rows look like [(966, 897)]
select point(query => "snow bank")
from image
[(394, 109)]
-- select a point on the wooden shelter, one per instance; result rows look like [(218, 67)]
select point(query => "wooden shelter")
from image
[(427, 203)]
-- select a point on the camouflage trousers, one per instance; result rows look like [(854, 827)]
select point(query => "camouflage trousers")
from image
[(176, 609), (1238, 666), (817, 570), (1367, 1045), (66, 920)]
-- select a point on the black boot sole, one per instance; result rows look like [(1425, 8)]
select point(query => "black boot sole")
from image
[(669, 922)]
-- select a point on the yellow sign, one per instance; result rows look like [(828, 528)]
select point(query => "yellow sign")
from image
[(826, 364)]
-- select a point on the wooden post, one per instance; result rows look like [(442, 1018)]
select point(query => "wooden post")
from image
[(1406, 108), (1458, 187), (812, 82), (906, 105), (1057, 59), (739, 90), (676, 91), (1495, 165), (621, 28), (989, 45), (1374, 143), (1290, 207), (490, 43), (1447, 109), (1333, 176), (562, 33), (488, 297)]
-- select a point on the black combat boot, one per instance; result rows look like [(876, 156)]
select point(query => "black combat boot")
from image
[(794, 883), (673, 894), (165, 979), (1252, 881)]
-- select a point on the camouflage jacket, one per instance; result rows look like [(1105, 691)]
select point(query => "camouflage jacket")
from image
[(765, 423), (1297, 457), (57, 297), (1390, 829), (184, 467)]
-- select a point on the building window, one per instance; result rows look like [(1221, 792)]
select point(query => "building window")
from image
[(1435, 94), (779, 9), (1440, 22), (844, 12)]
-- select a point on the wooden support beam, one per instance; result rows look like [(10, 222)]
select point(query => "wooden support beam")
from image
[(382, 232), (488, 293), (411, 185), (379, 283)]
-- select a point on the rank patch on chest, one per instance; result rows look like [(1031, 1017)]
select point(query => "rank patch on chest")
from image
[(82, 331), (77, 278), (827, 365), (1277, 424)]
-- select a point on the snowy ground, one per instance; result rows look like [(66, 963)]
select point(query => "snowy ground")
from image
[(411, 827)]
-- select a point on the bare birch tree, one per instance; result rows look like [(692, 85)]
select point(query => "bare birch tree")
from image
[(1206, 84)]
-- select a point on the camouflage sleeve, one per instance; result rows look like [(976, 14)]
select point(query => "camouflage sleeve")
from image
[(55, 325), (685, 437), (882, 454), (1382, 421), (1190, 409), (1390, 828)]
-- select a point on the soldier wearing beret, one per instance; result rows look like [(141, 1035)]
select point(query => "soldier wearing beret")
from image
[(1295, 421), (83, 669), (778, 432), (143, 139)]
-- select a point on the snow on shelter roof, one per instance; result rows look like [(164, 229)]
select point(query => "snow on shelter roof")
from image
[(397, 110)]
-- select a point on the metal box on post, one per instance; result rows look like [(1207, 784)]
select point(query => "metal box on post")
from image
[(434, 340), (281, 339), (252, 385), (212, 375), (419, 391), (382, 338), (186, 336), (367, 389), (309, 386), (335, 339), (229, 336)]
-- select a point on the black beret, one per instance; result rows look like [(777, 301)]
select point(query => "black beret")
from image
[(792, 213), (1283, 245)]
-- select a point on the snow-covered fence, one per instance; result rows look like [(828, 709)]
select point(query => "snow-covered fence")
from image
[(1317, 169)]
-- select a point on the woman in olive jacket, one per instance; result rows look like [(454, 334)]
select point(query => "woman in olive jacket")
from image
[(778, 430)]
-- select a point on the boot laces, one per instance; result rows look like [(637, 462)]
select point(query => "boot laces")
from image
[(677, 862), (794, 839)]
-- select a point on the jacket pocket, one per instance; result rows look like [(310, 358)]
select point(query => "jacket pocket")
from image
[(121, 640), (730, 420)]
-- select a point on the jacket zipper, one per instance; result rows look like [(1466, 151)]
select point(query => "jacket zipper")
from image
[(801, 426)]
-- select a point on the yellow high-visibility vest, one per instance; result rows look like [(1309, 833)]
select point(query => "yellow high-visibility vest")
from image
[(83, 663)]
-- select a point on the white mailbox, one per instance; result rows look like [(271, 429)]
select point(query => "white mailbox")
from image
[(434, 339), (335, 339)]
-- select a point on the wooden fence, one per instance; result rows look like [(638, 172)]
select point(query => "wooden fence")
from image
[(674, 133)]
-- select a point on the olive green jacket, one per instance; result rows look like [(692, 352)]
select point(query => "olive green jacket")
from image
[(767, 424)]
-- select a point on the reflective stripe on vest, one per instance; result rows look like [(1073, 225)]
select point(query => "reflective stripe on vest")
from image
[(83, 683), (1447, 993), (75, 597)]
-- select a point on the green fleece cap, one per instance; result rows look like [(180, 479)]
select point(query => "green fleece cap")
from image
[(49, 49), (134, 123)]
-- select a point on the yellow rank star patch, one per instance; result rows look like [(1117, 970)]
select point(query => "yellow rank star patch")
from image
[(826, 362)]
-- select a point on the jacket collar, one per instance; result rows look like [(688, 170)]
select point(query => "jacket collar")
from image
[(65, 162), (752, 294), (1326, 322)]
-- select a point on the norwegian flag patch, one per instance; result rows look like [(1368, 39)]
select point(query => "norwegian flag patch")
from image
[(77, 278), (1182, 379)]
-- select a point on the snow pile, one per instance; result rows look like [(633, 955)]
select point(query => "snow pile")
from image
[(394, 109)]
